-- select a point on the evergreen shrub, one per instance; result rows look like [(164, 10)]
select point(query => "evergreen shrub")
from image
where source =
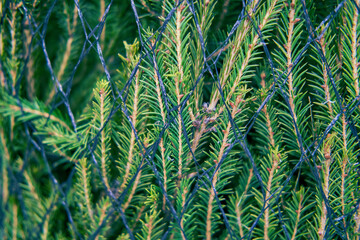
[(179, 119)]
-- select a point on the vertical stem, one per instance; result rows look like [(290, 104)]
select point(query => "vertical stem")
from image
[(275, 161), (354, 48), (289, 57), (102, 216), (325, 76), (326, 178), (150, 228), (179, 79), (163, 117), (13, 71), (5, 180), (86, 188), (103, 33), (132, 137), (103, 140), (183, 198), (44, 234), (15, 222), (239, 208), (67, 53), (298, 214), (343, 167), (224, 145)]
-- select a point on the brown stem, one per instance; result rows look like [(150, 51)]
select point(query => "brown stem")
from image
[(67, 53), (102, 216), (136, 182), (325, 185), (86, 189), (15, 221), (177, 84), (103, 141), (132, 137), (138, 217), (163, 117), (275, 162), (325, 76), (354, 49), (224, 145), (239, 208), (298, 214)]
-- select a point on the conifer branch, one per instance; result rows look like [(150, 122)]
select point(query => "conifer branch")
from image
[(163, 118), (12, 61), (136, 108), (66, 56), (179, 79), (239, 210), (86, 189), (30, 66), (103, 138), (325, 76), (31, 187), (138, 217), (224, 145), (148, 8), (298, 214), (251, 48), (45, 232), (39, 113), (325, 170), (13, 46), (297, 209), (6, 158), (244, 63), (289, 55), (102, 215), (354, 47), (183, 201), (103, 33), (349, 59), (205, 23), (344, 164), (235, 48), (14, 222), (136, 183), (274, 160)]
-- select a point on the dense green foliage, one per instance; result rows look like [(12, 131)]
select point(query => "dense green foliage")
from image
[(106, 134)]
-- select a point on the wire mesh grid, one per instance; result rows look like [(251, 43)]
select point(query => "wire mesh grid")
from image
[(204, 176)]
